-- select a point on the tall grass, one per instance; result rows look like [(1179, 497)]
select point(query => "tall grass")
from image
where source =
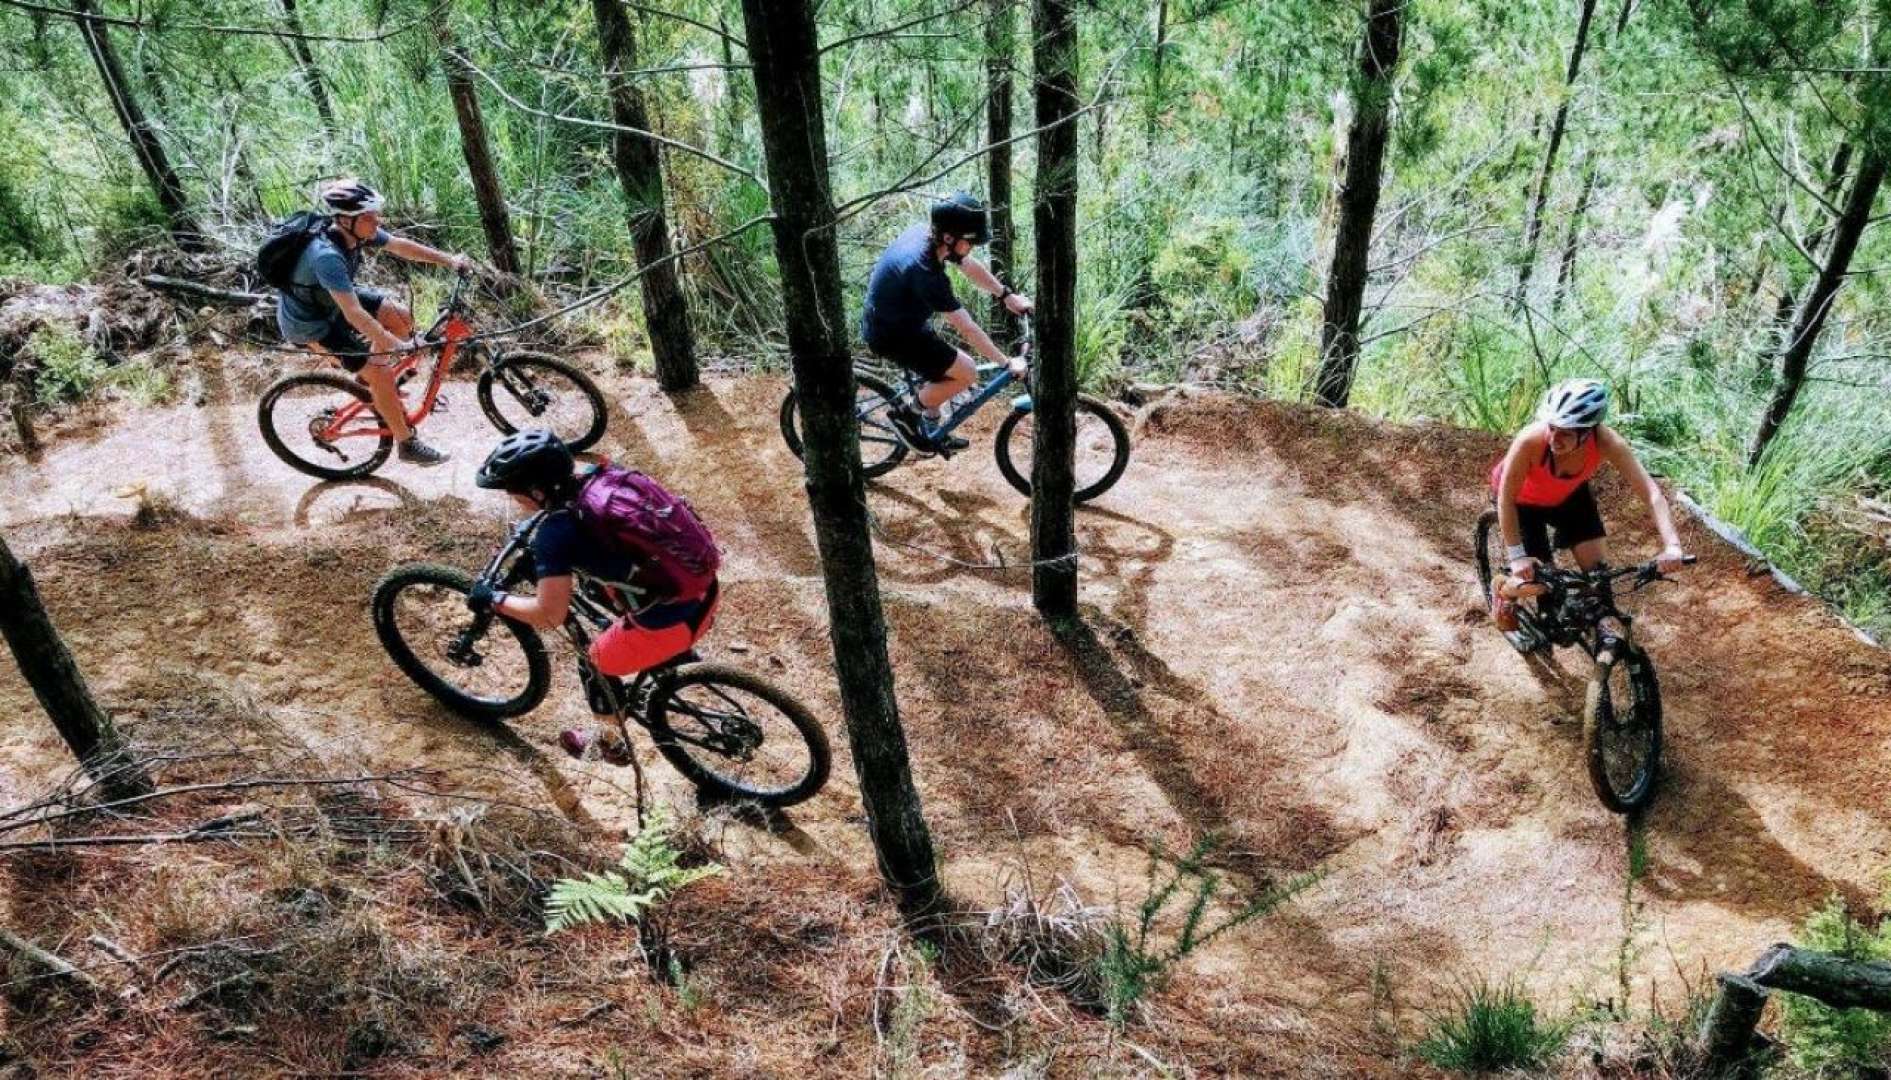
[(1492, 1027)]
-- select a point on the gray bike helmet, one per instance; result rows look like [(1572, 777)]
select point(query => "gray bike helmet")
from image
[(533, 460), (1576, 403), (962, 215)]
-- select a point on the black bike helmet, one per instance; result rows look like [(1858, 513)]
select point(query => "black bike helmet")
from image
[(962, 215), (534, 460)]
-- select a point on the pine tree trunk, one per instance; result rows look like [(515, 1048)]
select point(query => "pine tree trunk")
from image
[(1796, 357), (1572, 240), (640, 171), (305, 62), (1054, 367), (1366, 138), (48, 667), (1533, 223), (1788, 300), (785, 53), (494, 219), (144, 139), (1000, 47)]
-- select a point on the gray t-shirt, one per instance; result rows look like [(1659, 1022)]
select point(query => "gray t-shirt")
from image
[(305, 312)]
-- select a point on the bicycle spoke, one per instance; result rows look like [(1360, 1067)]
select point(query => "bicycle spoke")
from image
[(433, 620), (740, 738)]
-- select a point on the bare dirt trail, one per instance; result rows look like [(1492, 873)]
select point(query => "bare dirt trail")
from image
[(1281, 646)]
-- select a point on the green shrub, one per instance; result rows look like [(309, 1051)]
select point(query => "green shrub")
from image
[(1828, 1042), (1490, 1027), (68, 368)]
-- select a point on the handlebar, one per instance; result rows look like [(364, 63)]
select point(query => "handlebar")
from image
[(1644, 573)]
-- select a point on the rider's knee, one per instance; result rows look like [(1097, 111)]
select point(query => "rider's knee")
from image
[(395, 316)]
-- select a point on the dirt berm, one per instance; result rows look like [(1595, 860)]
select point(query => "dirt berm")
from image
[(1281, 646)]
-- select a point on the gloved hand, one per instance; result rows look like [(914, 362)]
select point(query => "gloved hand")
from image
[(482, 598)]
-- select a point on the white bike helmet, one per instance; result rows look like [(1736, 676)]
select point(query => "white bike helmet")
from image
[(351, 197), (1575, 403)]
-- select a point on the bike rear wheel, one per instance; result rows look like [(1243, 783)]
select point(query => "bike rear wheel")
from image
[(296, 411), (538, 390), (881, 449), (467, 662), (1487, 549), (1621, 730), (1102, 448), (736, 734)]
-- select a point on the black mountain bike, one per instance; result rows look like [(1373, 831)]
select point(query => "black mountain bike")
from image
[(1102, 444), (1621, 715), (730, 731)]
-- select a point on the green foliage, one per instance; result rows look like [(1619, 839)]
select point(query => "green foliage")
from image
[(1838, 1043), (68, 369), (1490, 1028), (648, 874), (1139, 955)]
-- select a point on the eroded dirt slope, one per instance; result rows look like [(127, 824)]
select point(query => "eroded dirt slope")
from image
[(1281, 646)]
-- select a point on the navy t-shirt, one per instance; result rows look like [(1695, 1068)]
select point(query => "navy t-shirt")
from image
[(907, 288), (561, 546)]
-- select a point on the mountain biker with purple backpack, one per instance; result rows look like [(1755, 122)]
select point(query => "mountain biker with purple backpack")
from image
[(645, 551)]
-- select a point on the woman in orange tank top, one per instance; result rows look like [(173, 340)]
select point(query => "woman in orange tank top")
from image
[(1541, 484)]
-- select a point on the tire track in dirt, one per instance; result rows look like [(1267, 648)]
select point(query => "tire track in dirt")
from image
[(1280, 645)]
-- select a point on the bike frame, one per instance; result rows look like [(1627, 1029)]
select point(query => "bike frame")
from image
[(1583, 601), (446, 334), (985, 393)]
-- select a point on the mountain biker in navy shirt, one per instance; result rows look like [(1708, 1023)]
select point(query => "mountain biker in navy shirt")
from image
[(326, 313), (909, 286)]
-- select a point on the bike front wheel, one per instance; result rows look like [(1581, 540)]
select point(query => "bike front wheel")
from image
[(736, 734), (881, 449), (1621, 730), (538, 390), (484, 667), (298, 418), (1100, 456)]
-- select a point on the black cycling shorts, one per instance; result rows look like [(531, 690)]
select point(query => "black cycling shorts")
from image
[(923, 353), (344, 340), (1576, 520)]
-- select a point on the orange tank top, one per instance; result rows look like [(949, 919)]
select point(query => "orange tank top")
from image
[(1542, 486)]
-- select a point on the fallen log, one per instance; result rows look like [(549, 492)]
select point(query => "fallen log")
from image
[(1727, 1037), (165, 283), (50, 964)]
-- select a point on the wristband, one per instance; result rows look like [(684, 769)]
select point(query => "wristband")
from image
[(1008, 290), (498, 601), (1516, 551)]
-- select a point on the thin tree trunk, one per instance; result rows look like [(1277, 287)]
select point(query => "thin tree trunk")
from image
[(144, 139), (1796, 356), (1000, 47), (785, 52), (1789, 293), (48, 667), (733, 144), (494, 219), (640, 171), (1533, 223), (298, 47), (1054, 382), (1366, 138), (1572, 240)]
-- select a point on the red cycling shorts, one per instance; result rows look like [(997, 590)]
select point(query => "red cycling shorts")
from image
[(628, 647)]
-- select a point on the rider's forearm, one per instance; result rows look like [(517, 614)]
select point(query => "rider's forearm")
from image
[(415, 251), (976, 337), (1663, 515), (980, 277), (370, 328)]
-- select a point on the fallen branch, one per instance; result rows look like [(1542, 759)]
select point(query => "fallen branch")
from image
[(49, 963), (164, 283)]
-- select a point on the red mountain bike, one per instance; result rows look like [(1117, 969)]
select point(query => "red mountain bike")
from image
[(323, 422)]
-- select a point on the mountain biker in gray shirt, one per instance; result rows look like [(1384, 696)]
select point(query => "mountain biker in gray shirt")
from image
[(361, 328)]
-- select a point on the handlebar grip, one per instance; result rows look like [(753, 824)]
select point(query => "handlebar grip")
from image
[(1690, 560)]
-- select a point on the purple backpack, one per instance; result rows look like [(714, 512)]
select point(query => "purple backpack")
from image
[(627, 508)]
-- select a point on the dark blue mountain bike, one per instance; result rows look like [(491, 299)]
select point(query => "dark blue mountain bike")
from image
[(1102, 445)]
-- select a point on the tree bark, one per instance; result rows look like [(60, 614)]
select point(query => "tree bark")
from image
[(1726, 1036), (145, 145), (640, 171), (494, 219), (785, 51), (1834, 980), (1533, 222), (1366, 139), (48, 667), (1796, 355), (1000, 48), (1789, 293), (298, 47), (1572, 240), (1054, 366)]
